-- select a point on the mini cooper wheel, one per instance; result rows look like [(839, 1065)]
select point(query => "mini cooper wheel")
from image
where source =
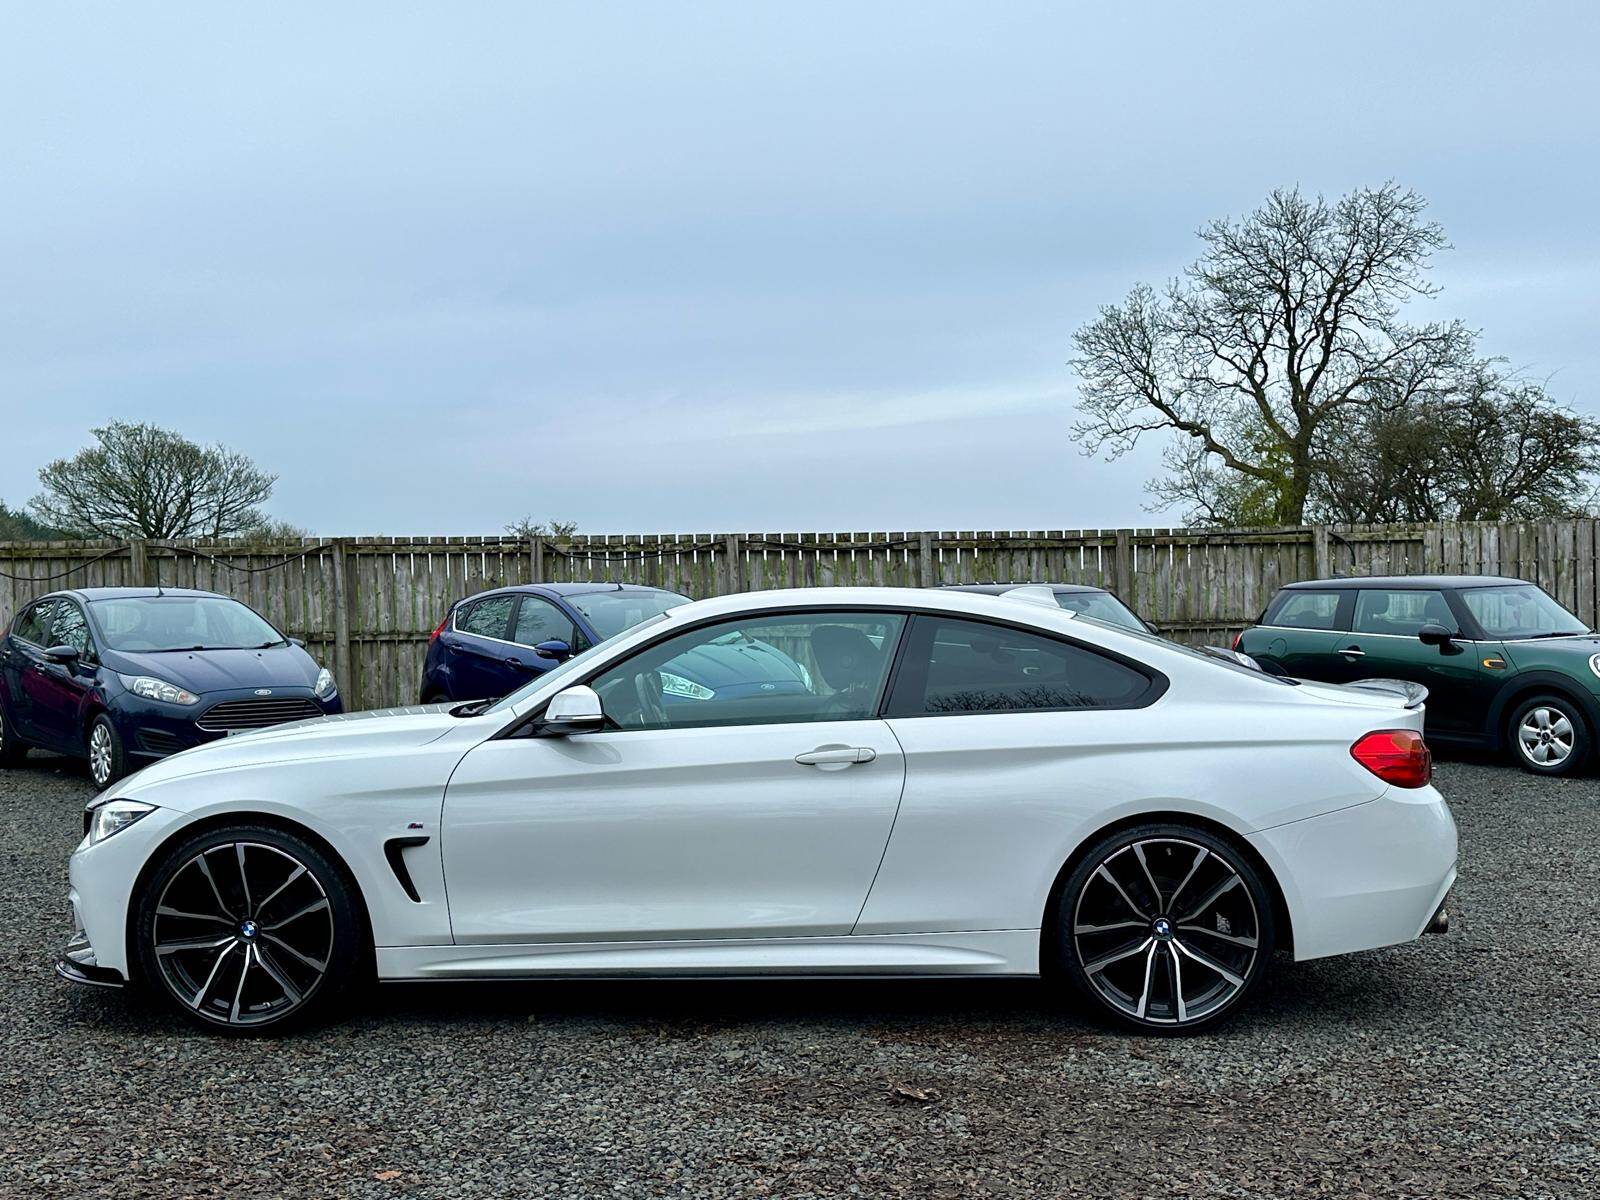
[(103, 745), (12, 749), (1165, 928), (249, 929), (1549, 735)]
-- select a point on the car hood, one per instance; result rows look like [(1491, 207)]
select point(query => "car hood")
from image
[(202, 671), (1572, 652), (372, 733), (717, 666)]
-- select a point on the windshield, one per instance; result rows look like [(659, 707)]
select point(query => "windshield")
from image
[(155, 624), (1102, 606), (612, 612), (573, 665), (1519, 611)]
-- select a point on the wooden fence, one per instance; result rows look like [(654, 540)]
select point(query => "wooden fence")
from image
[(367, 605)]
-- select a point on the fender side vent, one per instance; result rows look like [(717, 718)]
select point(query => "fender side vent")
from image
[(393, 850)]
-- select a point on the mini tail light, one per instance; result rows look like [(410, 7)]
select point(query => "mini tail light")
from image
[(1397, 756), (434, 636)]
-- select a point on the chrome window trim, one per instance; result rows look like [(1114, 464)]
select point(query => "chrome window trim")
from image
[(516, 596), (1407, 637)]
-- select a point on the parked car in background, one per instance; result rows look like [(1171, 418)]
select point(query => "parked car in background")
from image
[(1081, 598), (1505, 665), (965, 785), (495, 642), (123, 676)]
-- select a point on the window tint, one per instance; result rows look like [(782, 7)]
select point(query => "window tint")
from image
[(756, 671), (1401, 613), (540, 621), (71, 629), (34, 625), (488, 618), (956, 666), (1305, 610)]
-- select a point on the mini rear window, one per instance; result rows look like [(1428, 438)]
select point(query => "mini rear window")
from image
[(1302, 609)]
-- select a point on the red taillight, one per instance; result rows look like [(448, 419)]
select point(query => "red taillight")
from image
[(1237, 638), (434, 636), (1397, 756)]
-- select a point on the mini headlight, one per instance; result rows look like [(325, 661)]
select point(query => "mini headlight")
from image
[(157, 689), (1594, 663), (325, 686), (113, 817)]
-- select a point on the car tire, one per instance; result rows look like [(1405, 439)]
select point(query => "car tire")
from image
[(1164, 928), (103, 748), (250, 929), (1548, 735), (12, 748)]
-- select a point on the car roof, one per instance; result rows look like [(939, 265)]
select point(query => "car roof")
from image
[(138, 593), (1403, 582), (581, 588), (999, 589)]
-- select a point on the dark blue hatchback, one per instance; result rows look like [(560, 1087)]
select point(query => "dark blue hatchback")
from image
[(494, 642), (121, 676)]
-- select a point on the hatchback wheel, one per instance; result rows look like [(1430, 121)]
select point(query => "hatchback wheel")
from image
[(249, 929), (1549, 735), (1165, 928), (12, 749), (107, 763)]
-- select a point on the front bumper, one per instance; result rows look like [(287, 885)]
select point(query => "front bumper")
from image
[(101, 880), (1373, 875), (77, 964), (151, 729)]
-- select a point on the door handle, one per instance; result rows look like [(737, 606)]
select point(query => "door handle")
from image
[(1352, 652), (836, 756)]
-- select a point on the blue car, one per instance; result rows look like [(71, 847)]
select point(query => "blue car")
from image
[(123, 676), (494, 642)]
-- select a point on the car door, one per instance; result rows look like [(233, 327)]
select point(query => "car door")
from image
[(746, 813), (60, 688), (1010, 736), (538, 621), (1298, 633), (1383, 644), (481, 651), (21, 662)]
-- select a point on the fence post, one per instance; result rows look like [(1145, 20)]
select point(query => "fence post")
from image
[(1124, 565), (925, 559), (344, 664), (1321, 553), (536, 558), (733, 575), (139, 563)]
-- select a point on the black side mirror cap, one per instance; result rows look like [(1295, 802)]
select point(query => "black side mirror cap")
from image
[(1436, 635), (555, 648), (63, 654)]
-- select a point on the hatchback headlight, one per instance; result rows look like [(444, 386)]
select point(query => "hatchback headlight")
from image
[(677, 685), (152, 688), (113, 817), (325, 686)]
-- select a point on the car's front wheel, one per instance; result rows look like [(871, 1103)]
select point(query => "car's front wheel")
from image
[(1165, 928), (250, 929), (1549, 735), (107, 762)]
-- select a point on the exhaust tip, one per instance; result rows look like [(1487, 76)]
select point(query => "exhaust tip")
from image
[(1440, 923)]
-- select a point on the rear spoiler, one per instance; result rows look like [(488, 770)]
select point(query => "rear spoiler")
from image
[(1412, 693)]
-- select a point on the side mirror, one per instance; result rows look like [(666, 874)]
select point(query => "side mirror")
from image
[(1435, 635), (64, 655), (575, 710), (301, 642), (555, 648)]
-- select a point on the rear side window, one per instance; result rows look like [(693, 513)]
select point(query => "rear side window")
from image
[(1401, 613), (34, 625), (955, 666), (1304, 610), (488, 618)]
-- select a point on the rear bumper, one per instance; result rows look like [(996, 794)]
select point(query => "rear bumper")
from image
[(1373, 875)]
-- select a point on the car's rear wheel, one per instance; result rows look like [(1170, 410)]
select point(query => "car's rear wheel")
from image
[(1548, 735), (250, 929), (103, 747), (12, 748), (1165, 928)]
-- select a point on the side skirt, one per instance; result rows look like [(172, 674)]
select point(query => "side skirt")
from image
[(983, 952)]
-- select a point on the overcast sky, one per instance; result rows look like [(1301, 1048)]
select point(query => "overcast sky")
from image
[(697, 266)]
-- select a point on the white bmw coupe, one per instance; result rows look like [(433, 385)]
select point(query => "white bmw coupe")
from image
[(942, 784)]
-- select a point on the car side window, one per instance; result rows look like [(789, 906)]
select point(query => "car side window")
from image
[(956, 666), (1305, 610), (540, 621), (34, 625), (764, 670), (72, 629), (488, 618), (1401, 613)]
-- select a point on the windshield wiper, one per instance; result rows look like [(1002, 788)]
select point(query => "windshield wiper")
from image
[(270, 645), (473, 708)]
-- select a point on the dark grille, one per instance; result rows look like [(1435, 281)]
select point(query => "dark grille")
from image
[(159, 741), (256, 714)]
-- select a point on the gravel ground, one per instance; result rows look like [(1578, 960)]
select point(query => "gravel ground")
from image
[(1456, 1065)]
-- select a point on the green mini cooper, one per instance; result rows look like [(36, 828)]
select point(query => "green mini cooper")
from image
[(1504, 664)]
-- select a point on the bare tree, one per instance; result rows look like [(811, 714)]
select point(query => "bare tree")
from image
[(527, 527), (1285, 331), (143, 481)]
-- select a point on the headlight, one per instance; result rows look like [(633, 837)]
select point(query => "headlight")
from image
[(677, 685), (325, 686), (113, 817), (157, 689), (1594, 663)]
